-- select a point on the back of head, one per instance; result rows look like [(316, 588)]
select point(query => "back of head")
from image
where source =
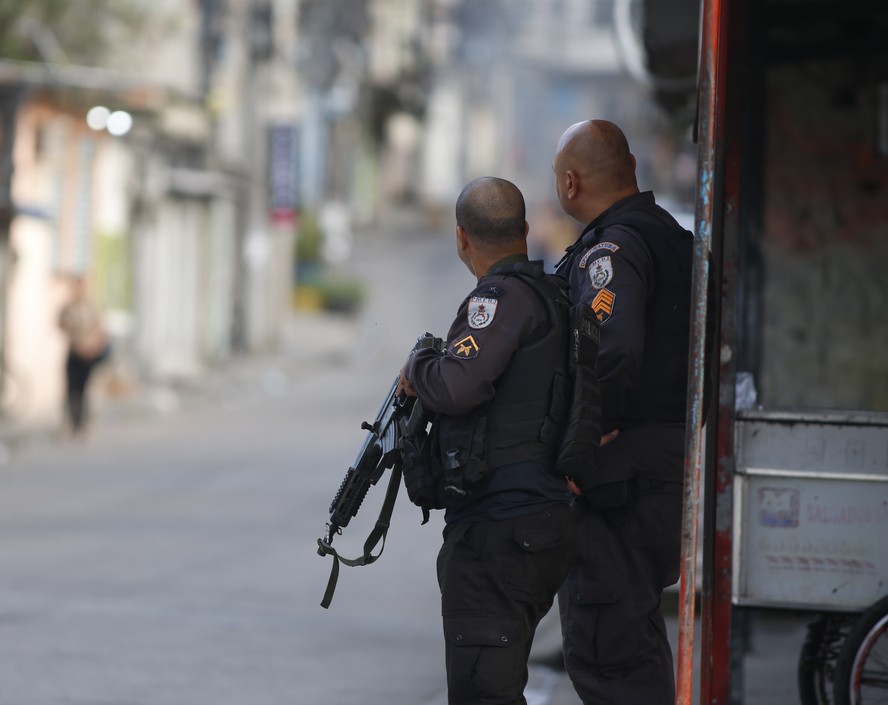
[(491, 211), (599, 152)]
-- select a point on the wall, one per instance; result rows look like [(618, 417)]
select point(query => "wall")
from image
[(825, 241)]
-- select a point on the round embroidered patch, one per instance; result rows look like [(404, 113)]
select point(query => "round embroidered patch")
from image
[(481, 311), (601, 271)]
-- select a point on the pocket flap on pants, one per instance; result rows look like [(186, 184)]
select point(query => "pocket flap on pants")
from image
[(468, 631)]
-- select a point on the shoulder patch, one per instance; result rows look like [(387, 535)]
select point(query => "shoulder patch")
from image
[(603, 304), (481, 311), (609, 246), (465, 349), (601, 271)]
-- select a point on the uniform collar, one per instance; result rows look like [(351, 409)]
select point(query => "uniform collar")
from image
[(636, 200), (507, 262)]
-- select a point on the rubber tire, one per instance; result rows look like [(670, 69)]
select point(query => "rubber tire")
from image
[(812, 688), (870, 630), (817, 660)]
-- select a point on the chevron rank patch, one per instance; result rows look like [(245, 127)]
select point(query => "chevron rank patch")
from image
[(465, 349), (481, 311), (603, 304), (601, 271)]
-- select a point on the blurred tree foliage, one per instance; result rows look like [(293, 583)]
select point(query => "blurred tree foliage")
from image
[(69, 31)]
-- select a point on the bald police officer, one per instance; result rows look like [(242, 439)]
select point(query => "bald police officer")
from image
[(508, 538), (632, 265)]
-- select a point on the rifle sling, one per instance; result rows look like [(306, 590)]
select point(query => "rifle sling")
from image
[(377, 534)]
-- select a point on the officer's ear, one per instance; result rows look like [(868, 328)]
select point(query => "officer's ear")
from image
[(463, 248), (572, 183), (462, 240)]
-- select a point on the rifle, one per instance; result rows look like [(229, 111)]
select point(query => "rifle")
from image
[(398, 417)]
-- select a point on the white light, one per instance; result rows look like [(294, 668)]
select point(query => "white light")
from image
[(97, 117), (119, 122)]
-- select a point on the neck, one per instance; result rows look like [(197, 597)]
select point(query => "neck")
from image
[(483, 261), (598, 206)]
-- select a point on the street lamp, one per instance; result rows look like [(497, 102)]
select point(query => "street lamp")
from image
[(117, 123), (97, 117)]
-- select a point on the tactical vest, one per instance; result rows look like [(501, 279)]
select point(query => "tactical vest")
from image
[(662, 395), (526, 418)]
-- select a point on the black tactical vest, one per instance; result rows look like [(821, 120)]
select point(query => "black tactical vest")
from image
[(662, 395), (526, 418), (664, 367)]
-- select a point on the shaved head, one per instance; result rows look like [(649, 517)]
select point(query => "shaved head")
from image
[(491, 211), (598, 151), (593, 169)]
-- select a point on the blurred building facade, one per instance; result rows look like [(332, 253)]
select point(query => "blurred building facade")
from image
[(452, 89), (253, 117), (171, 223)]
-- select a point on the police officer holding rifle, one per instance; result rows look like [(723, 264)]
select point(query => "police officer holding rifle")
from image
[(503, 399)]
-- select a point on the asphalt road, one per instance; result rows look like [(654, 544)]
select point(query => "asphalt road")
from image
[(171, 559)]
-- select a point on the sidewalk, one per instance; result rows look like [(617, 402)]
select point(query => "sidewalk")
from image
[(309, 342)]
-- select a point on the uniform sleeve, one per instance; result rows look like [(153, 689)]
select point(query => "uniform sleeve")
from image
[(615, 278), (492, 323)]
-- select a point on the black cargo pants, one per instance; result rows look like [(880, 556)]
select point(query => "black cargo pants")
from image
[(615, 645), (498, 579)]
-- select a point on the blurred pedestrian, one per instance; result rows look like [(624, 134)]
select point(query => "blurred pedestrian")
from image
[(632, 265), (508, 537), (81, 321)]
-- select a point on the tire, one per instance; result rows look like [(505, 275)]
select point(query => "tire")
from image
[(861, 676), (817, 660)]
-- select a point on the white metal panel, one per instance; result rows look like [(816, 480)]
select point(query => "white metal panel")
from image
[(811, 504)]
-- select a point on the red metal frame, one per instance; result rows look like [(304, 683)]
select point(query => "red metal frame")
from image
[(717, 225)]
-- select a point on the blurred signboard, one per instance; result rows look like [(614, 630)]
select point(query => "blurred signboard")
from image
[(283, 170)]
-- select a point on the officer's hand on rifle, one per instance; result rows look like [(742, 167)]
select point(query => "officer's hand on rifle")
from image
[(404, 386)]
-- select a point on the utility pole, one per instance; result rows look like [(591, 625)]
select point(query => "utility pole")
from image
[(9, 99)]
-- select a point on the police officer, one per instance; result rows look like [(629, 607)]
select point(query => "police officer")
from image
[(632, 265), (508, 537)]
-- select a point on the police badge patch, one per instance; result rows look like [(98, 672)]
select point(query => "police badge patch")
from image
[(481, 311), (601, 271)]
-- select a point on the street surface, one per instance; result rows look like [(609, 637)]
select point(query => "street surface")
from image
[(171, 558)]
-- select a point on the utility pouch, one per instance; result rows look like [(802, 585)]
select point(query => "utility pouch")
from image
[(423, 473), (462, 444)]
